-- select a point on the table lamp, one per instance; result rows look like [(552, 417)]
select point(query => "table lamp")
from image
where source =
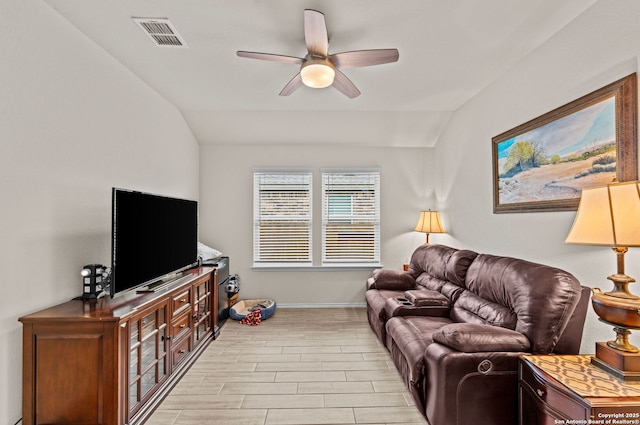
[(429, 222), (610, 216)]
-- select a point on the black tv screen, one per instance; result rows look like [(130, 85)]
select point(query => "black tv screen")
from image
[(152, 237)]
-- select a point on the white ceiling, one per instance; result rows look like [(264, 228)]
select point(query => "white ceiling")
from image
[(449, 51)]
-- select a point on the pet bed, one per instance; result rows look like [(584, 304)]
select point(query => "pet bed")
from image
[(243, 307)]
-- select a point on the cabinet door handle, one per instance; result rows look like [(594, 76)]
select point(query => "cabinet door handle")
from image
[(183, 351), (183, 326), (183, 300), (540, 392)]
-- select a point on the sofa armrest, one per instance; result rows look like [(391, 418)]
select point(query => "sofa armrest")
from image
[(402, 307), (462, 387), (477, 338), (371, 284), (396, 280), (426, 297)]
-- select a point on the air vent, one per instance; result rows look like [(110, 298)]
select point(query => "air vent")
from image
[(161, 31)]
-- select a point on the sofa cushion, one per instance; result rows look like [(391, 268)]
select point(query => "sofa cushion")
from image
[(475, 338), (432, 260), (458, 264), (451, 291), (542, 298), (391, 279), (435, 266), (470, 308), (426, 297), (425, 280)]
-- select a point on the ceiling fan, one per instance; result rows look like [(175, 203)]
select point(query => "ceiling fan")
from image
[(319, 69)]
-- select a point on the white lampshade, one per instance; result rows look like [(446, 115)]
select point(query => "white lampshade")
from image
[(317, 74), (429, 222), (609, 216)]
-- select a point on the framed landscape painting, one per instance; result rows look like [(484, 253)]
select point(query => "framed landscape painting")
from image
[(544, 164)]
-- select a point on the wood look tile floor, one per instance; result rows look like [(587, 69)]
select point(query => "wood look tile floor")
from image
[(299, 367)]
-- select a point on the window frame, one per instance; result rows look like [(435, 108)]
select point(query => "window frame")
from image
[(316, 258), (337, 182), (263, 254)]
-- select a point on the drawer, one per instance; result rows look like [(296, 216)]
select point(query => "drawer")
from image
[(181, 325), (555, 398), (533, 411), (180, 351), (181, 301)]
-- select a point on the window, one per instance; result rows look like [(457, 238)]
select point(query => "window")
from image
[(282, 218), (350, 217)]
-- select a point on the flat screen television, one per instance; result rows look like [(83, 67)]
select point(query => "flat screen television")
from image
[(153, 237)]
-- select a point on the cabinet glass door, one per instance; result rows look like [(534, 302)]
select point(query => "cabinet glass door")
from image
[(202, 310), (147, 354)]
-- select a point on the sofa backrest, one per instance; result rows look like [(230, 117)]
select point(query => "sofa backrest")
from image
[(533, 299), (440, 268)]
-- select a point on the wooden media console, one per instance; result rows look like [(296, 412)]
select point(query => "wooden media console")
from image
[(112, 361)]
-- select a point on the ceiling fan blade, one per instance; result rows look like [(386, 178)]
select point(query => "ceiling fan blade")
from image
[(345, 86), (315, 33), (270, 57), (359, 58), (293, 85)]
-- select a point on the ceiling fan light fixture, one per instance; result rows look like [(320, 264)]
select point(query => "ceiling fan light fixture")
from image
[(317, 74), (319, 69)]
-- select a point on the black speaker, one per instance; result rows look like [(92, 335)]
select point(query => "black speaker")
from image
[(92, 281)]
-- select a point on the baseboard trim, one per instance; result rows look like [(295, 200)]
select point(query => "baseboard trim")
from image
[(323, 305)]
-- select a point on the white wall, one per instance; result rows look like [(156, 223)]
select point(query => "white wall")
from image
[(599, 47), (73, 123), (226, 200)]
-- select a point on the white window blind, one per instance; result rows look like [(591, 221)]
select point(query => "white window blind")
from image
[(350, 217), (282, 217)]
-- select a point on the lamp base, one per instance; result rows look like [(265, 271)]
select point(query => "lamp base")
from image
[(623, 365), (621, 287)]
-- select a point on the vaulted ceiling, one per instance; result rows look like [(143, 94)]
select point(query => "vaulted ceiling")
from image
[(449, 51)]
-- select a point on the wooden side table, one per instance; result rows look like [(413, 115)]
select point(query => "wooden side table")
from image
[(566, 389)]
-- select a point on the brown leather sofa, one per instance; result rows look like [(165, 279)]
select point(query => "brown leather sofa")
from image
[(456, 322)]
